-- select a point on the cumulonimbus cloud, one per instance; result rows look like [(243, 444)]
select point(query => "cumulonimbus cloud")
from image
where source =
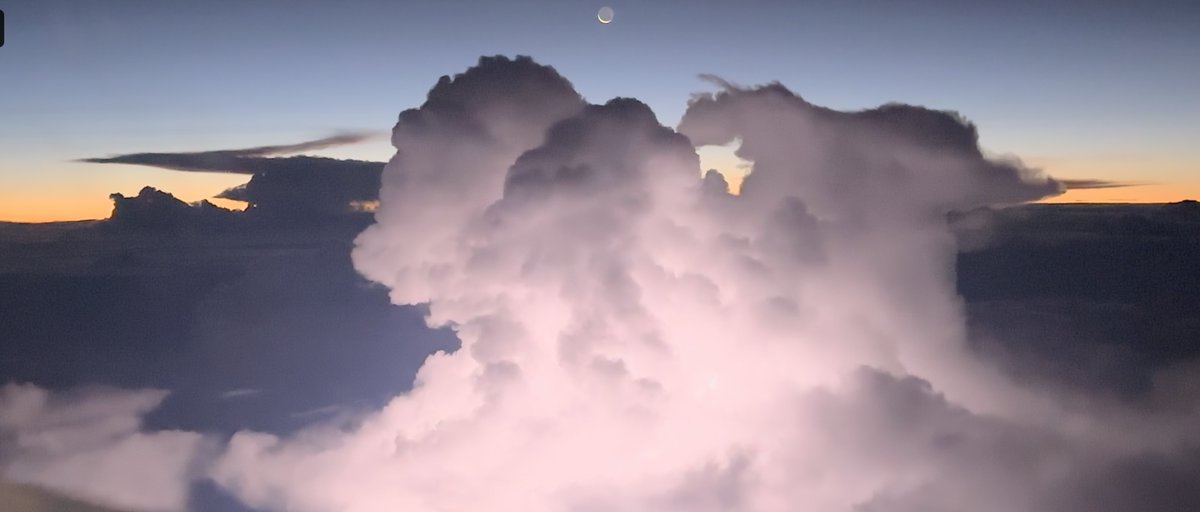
[(635, 338)]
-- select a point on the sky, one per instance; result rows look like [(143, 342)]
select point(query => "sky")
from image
[(539, 304), (1084, 90)]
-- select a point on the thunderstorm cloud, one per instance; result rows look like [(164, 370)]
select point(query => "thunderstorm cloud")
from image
[(633, 337)]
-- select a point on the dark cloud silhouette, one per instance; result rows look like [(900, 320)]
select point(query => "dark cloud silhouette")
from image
[(293, 187), (154, 210), (719, 81), (240, 161), (1093, 183), (305, 185)]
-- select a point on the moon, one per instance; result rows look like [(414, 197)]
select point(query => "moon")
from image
[(605, 15)]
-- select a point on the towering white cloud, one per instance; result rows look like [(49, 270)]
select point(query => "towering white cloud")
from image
[(634, 338)]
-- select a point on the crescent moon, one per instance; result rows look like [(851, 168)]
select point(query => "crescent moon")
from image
[(605, 15)]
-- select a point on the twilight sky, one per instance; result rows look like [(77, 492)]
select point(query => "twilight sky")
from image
[(1098, 90), (539, 303)]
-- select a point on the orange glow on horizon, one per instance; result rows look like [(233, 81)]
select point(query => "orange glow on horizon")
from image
[(32, 209), (75, 195), (17, 208), (84, 196), (1157, 193), (724, 160), (1152, 179)]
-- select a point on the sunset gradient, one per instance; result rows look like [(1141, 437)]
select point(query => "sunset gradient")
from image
[(1101, 96)]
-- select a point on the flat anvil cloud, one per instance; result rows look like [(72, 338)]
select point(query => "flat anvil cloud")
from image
[(279, 184), (636, 338), (238, 161)]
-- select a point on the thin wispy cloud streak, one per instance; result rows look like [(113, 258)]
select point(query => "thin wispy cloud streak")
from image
[(238, 161), (1083, 184), (291, 186)]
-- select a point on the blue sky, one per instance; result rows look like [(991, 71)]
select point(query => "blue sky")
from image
[(1086, 89)]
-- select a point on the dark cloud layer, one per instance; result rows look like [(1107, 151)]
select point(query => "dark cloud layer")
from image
[(251, 306), (308, 185), (249, 322), (154, 210), (240, 161), (1096, 298), (299, 187)]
